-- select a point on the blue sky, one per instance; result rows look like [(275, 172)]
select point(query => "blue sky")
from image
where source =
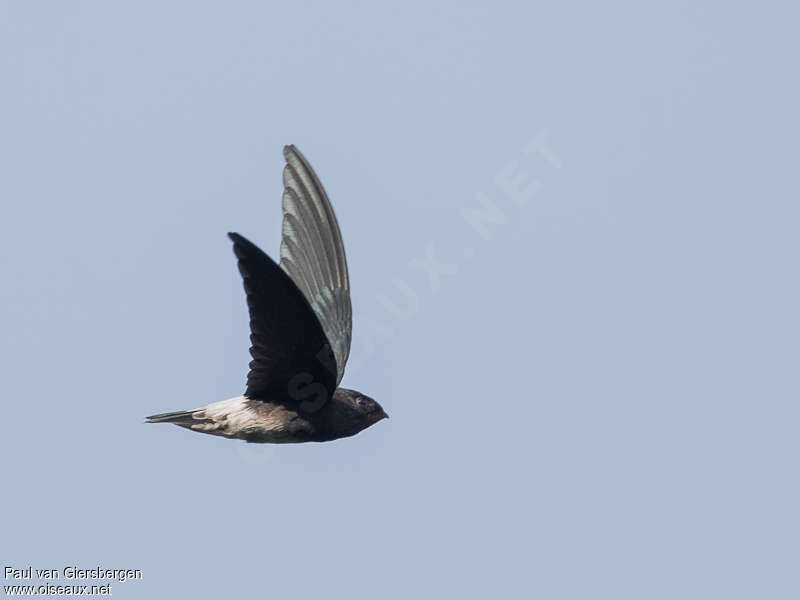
[(572, 239)]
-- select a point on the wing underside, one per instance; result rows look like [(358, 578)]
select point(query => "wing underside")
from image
[(312, 253)]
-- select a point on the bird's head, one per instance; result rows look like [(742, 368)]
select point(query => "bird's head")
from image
[(369, 407), (357, 409)]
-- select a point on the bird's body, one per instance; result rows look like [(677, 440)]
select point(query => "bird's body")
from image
[(300, 322), (267, 422)]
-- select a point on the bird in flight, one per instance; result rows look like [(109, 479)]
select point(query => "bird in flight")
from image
[(300, 330)]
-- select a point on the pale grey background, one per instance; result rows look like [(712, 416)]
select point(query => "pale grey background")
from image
[(597, 401)]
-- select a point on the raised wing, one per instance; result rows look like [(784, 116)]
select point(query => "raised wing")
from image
[(292, 362), (312, 253)]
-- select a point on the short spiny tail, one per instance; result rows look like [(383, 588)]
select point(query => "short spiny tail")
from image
[(212, 418), (185, 418)]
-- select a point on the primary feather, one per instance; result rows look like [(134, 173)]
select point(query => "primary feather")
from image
[(312, 253)]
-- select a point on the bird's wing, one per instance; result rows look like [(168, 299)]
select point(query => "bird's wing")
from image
[(292, 361), (312, 253)]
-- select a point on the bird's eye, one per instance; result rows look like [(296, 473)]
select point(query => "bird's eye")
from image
[(363, 401)]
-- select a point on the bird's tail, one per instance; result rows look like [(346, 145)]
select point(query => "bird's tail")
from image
[(220, 418), (185, 418)]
